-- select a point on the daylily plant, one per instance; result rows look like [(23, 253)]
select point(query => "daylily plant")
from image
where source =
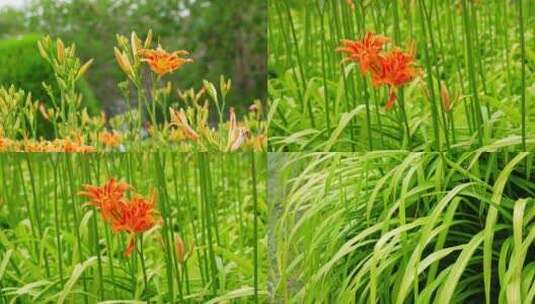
[(159, 114)]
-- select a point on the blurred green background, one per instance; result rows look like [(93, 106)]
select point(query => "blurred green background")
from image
[(225, 37)]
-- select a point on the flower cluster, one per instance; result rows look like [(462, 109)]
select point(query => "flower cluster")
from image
[(57, 145), (158, 114), (134, 216), (110, 139), (239, 134), (185, 120), (392, 69)]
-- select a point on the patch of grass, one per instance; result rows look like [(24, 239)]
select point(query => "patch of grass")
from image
[(395, 227)]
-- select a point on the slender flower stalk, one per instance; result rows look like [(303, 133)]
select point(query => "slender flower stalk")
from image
[(523, 72), (472, 73)]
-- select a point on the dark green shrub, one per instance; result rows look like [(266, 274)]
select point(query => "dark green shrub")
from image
[(22, 66)]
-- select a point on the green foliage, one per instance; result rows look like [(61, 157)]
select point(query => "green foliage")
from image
[(396, 227), (23, 67), (207, 247), (184, 126), (11, 22), (475, 86), (90, 100)]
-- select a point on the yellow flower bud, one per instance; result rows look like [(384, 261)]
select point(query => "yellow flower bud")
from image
[(60, 49), (84, 68), (148, 40), (123, 62)]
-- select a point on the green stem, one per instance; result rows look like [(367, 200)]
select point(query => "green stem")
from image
[(523, 65), (166, 215), (401, 97), (255, 226), (206, 199), (299, 64), (472, 75), (57, 223), (143, 267), (75, 220), (430, 84), (323, 67)]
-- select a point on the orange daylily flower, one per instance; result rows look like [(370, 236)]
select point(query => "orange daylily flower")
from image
[(365, 52), (396, 68), (58, 145), (161, 62), (7, 144), (70, 146), (110, 139), (393, 69), (32, 146), (136, 216), (106, 197)]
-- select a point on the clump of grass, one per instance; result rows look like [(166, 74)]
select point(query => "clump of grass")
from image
[(475, 88), (394, 227), (201, 240)]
